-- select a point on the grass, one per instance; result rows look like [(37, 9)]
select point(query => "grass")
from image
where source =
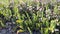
[(29, 16)]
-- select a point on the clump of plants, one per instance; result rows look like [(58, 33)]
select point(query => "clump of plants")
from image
[(30, 16)]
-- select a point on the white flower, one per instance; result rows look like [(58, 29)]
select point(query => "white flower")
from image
[(40, 9), (30, 7), (57, 24), (48, 11), (56, 29), (52, 31)]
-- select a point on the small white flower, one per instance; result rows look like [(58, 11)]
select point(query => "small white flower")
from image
[(57, 24), (30, 7), (57, 20), (56, 29), (33, 7), (52, 31), (49, 17), (20, 7), (48, 11), (37, 7), (40, 9)]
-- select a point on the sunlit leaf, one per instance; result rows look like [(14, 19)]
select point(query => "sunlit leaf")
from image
[(20, 31), (19, 21)]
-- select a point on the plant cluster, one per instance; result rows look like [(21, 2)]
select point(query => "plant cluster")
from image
[(30, 16)]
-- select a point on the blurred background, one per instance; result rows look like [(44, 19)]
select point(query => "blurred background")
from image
[(29, 16)]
